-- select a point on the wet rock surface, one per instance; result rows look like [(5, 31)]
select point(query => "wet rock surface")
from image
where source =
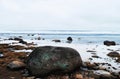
[(109, 43), (48, 59), (18, 39)]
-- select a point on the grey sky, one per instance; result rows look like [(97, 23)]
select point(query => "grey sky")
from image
[(60, 14)]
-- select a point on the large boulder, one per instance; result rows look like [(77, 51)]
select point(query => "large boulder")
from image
[(49, 59), (109, 43)]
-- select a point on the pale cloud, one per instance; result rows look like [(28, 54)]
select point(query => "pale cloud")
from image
[(60, 14)]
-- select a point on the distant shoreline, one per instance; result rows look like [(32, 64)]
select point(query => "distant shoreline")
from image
[(62, 31)]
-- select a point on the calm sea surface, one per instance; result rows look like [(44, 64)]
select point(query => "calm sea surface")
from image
[(78, 36)]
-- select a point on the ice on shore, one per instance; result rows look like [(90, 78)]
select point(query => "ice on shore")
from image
[(24, 50), (101, 51)]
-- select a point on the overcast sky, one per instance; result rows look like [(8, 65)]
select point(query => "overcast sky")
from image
[(60, 14)]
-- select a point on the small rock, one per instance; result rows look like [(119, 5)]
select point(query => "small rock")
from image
[(20, 36), (23, 42), (118, 60), (32, 34), (17, 39), (91, 51), (78, 76), (113, 54), (39, 38), (90, 65), (102, 68), (102, 72), (69, 39), (1, 55), (109, 43), (10, 39), (12, 77), (95, 56), (56, 40), (16, 65)]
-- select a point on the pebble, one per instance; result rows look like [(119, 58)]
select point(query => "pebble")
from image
[(78, 76), (12, 77), (16, 65)]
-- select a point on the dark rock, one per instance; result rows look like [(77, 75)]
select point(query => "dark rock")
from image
[(20, 36), (49, 59), (56, 40), (28, 35), (89, 65), (23, 42), (109, 43), (90, 58), (32, 34), (17, 39), (95, 56), (69, 39), (106, 77), (16, 65), (20, 40), (39, 38), (118, 60), (10, 39), (1, 55), (91, 51), (110, 49), (113, 54)]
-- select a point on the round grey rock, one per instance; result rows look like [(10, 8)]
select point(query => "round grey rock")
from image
[(49, 59)]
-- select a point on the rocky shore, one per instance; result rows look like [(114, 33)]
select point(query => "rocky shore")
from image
[(13, 64)]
